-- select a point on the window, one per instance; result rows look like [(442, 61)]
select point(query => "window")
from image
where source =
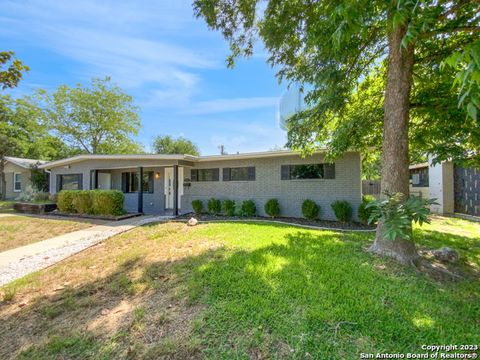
[(69, 182), (419, 177), (17, 182), (204, 174), (239, 174), (308, 171), (130, 182)]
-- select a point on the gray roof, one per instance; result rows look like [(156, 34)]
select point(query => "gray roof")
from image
[(25, 163)]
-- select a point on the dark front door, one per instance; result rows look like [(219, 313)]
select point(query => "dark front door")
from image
[(467, 190)]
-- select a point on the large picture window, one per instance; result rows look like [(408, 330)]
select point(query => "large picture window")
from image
[(204, 174), (17, 182), (239, 174), (130, 182), (69, 182), (308, 171)]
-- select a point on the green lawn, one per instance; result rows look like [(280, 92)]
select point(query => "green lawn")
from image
[(6, 206), (241, 291)]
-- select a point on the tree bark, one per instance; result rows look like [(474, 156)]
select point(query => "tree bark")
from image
[(395, 159)]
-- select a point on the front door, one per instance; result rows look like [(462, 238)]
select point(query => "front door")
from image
[(169, 188)]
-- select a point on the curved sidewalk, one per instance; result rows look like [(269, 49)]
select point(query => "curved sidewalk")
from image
[(16, 263)]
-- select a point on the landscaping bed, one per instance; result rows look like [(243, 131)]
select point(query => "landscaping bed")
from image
[(328, 224), (34, 208), (97, 217)]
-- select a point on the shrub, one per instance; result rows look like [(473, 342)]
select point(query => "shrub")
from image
[(27, 195), (310, 209), (342, 210), (107, 202), (42, 197), (365, 212), (197, 206), (272, 208), (397, 214), (248, 208), (214, 206), (229, 207), (65, 201), (82, 202)]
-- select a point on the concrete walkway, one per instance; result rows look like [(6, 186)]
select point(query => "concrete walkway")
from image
[(16, 263)]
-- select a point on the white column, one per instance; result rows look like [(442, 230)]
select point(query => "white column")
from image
[(440, 177)]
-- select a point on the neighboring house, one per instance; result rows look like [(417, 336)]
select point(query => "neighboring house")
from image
[(457, 189), (17, 175), (171, 182)]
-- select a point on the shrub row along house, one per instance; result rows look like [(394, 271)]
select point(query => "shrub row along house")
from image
[(167, 184)]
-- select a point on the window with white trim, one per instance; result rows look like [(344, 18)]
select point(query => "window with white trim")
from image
[(17, 182)]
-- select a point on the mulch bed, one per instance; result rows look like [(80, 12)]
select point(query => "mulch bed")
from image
[(288, 220), (96, 217)]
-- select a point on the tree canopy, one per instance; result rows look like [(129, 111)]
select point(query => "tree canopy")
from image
[(98, 119), (168, 145), (11, 69)]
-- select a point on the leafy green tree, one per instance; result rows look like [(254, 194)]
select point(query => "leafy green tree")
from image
[(13, 73), (99, 119), (333, 45), (169, 145)]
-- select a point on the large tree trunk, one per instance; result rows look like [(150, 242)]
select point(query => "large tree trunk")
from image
[(395, 161)]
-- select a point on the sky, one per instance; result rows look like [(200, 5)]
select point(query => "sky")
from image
[(159, 53)]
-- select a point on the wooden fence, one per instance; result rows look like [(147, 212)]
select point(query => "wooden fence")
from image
[(371, 187)]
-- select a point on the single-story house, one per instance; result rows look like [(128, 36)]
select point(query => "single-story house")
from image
[(18, 172), (171, 182), (456, 188)]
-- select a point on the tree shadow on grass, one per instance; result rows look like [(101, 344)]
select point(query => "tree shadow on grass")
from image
[(308, 295)]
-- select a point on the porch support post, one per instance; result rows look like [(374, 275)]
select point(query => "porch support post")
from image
[(140, 189), (95, 179), (175, 190)]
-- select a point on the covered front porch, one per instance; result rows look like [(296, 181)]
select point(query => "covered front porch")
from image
[(148, 189)]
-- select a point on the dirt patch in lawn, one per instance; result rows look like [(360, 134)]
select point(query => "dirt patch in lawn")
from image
[(16, 231)]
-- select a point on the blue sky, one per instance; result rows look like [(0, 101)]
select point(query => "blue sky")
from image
[(171, 64)]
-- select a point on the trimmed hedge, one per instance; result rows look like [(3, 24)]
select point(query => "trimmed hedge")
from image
[(107, 202), (310, 209), (65, 201), (197, 206), (248, 208), (229, 207), (272, 208), (343, 210), (97, 202), (214, 206)]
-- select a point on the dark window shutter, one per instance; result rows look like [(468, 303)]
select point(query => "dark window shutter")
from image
[(150, 181), (193, 175), (329, 171), (251, 173), (124, 182), (59, 183), (80, 181), (215, 174), (226, 174), (285, 172)]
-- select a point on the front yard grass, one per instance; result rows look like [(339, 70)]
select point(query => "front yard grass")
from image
[(16, 231), (240, 291), (6, 206)]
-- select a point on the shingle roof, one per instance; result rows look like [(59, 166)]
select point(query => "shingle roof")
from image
[(25, 163)]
